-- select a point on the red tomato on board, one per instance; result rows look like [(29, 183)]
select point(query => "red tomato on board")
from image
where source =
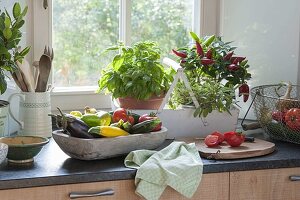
[(211, 140), (220, 136), (120, 113), (234, 139), (292, 118)]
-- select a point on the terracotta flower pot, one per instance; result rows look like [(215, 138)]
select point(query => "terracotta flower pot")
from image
[(150, 104)]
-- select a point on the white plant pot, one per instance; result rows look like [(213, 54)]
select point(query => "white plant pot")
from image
[(182, 123)]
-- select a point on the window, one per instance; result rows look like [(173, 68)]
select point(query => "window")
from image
[(82, 29)]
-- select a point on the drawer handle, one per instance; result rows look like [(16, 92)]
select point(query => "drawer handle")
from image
[(75, 195), (295, 178)]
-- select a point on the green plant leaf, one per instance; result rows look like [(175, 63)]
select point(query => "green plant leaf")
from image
[(16, 10), (7, 22), (3, 84), (7, 33), (24, 11), (25, 51), (194, 36), (3, 50)]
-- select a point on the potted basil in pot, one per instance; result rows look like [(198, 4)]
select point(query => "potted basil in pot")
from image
[(135, 77), (10, 53)]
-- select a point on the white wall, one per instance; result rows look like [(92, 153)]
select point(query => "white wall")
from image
[(267, 32)]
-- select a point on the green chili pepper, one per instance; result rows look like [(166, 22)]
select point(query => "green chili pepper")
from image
[(209, 40)]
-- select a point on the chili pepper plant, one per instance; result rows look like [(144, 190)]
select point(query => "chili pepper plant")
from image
[(214, 72)]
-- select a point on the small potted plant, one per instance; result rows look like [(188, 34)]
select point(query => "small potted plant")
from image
[(214, 72), (10, 36), (136, 77)]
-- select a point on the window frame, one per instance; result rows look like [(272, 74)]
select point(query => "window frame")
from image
[(82, 96)]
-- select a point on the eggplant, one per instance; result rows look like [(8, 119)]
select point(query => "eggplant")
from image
[(75, 127)]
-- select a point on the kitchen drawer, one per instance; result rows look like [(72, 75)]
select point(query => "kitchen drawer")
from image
[(271, 184), (123, 190)]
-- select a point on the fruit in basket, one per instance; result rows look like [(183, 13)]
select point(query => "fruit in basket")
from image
[(265, 116), (107, 131), (145, 126), (148, 117), (118, 114), (101, 118), (88, 110), (72, 125), (292, 118), (278, 115), (76, 113)]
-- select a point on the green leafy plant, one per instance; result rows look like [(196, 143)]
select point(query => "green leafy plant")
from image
[(214, 73), (10, 36), (136, 72)]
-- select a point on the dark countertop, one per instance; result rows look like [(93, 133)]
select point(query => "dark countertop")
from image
[(53, 167)]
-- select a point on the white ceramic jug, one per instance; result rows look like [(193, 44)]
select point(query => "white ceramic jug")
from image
[(33, 114)]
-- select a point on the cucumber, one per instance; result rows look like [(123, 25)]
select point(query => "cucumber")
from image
[(135, 117), (145, 126)]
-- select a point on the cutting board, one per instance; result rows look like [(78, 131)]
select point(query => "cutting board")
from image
[(224, 151)]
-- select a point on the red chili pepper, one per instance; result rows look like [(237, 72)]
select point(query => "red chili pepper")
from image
[(209, 54), (228, 55), (237, 59), (233, 67), (200, 51), (206, 61), (244, 90), (179, 54)]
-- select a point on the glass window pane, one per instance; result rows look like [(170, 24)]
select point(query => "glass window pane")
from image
[(167, 22), (82, 29)]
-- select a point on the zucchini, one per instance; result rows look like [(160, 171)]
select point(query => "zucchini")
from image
[(107, 131), (145, 126)]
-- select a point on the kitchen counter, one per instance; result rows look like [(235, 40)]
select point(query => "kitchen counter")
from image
[(53, 167)]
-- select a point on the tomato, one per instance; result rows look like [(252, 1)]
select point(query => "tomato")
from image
[(131, 120), (220, 136), (278, 116), (148, 117), (292, 118), (234, 139), (120, 113), (211, 140)]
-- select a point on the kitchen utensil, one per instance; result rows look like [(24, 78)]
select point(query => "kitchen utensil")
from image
[(22, 149), (26, 72), (102, 148), (224, 151), (33, 113), (35, 72), (44, 72), (17, 76), (45, 65)]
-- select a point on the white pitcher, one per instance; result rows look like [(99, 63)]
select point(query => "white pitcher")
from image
[(3, 117), (33, 114)]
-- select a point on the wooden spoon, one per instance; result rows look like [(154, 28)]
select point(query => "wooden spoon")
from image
[(44, 72)]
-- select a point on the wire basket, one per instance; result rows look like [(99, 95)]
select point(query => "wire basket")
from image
[(271, 105)]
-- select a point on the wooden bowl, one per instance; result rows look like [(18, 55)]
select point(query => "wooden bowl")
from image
[(101, 148), (22, 149)]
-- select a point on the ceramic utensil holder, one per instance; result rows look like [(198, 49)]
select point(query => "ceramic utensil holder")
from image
[(33, 114), (3, 117)]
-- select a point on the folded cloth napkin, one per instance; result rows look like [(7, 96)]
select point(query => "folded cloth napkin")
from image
[(177, 165)]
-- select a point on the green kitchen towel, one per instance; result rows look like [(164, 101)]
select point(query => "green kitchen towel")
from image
[(177, 165)]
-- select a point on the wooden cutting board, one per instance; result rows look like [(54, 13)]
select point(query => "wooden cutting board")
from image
[(224, 151)]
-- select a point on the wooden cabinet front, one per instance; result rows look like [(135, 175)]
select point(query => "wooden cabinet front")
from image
[(212, 187), (271, 184)]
